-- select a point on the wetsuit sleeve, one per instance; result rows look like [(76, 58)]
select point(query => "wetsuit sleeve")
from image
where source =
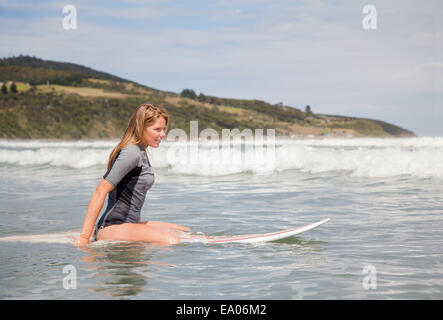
[(126, 160)]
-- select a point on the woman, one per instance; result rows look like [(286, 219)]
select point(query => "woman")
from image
[(128, 178)]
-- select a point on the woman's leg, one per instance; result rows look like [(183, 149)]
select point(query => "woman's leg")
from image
[(166, 225), (137, 232)]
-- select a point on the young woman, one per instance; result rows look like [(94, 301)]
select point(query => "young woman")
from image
[(127, 180)]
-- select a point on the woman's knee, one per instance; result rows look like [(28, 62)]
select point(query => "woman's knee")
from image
[(174, 240)]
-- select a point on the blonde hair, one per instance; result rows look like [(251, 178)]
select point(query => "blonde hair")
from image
[(144, 116)]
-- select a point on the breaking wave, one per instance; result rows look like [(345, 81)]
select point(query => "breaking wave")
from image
[(371, 157)]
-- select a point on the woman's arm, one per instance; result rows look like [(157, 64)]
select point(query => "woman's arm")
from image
[(94, 208)]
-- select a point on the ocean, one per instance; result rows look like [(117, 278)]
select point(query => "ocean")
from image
[(383, 241)]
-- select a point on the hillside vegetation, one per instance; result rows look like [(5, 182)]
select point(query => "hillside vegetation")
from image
[(57, 100)]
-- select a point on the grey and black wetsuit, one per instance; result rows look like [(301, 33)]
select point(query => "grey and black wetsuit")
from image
[(132, 176)]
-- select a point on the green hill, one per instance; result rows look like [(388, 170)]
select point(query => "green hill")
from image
[(58, 100), (37, 71)]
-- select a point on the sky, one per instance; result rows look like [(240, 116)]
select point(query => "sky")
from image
[(383, 63)]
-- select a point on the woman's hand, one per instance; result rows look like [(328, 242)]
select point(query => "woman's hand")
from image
[(81, 241)]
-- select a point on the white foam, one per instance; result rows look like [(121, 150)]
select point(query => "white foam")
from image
[(36, 144), (74, 154), (371, 157), (420, 157), (69, 157)]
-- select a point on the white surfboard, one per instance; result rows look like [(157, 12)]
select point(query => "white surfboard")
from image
[(69, 237), (60, 237), (254, 238)]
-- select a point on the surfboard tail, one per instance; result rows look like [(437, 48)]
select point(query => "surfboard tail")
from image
[(61, 237)]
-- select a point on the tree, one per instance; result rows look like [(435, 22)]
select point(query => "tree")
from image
[(308, 110), (202, 97), (4, 89), (13, 88), (188, 93)]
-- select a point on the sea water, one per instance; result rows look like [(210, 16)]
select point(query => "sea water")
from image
[(383, 241)]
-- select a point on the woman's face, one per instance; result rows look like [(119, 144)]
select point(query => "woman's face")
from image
[(153, 134)]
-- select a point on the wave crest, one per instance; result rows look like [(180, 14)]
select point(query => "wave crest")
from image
[(420, 157)]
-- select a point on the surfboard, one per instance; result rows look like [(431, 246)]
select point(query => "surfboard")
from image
[(69, 237), (60, 237), (253, 238)]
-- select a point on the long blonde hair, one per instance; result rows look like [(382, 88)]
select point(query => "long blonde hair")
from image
[(144, 116)]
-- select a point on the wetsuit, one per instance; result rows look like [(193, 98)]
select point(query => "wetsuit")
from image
[(132, 176)]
